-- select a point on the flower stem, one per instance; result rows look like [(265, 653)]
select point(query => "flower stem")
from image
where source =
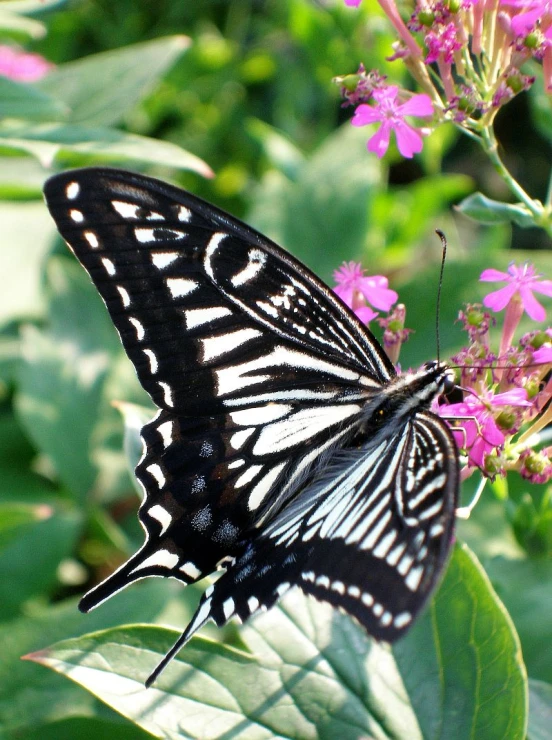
[(490, 145)]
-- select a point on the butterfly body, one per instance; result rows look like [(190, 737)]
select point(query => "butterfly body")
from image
[(285, 447)]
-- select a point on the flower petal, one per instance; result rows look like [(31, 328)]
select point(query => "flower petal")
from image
[(409, 141), (532, 307), (491, 276), (366, 114), (379, 142), (418, 105), (499, 299)]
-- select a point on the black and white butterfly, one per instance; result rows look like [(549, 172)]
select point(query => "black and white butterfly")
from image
[(286, 448)]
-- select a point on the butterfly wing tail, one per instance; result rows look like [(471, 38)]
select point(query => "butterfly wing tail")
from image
[(202, 615), (149, 561)]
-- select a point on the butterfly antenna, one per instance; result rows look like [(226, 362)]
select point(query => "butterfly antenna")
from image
[(443, 239)]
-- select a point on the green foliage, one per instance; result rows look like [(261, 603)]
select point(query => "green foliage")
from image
[(170, 87)]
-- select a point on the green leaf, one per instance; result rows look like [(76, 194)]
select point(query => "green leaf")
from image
[(15, 517), (29, 561), (32, 696), (72, 145), (525, 587), (314, 673), (487, 211), (63, 372), (26, 230), (18, 100), (322, 218), (471, 659), (22, 28), (132, 71), (540, 710)]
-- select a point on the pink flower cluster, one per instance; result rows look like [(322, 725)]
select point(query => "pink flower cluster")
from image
[(506, 395), (466, 55)]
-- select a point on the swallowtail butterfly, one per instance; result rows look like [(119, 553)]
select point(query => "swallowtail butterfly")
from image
[(286, 448)]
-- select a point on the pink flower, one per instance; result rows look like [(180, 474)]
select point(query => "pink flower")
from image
[(356, 289), (353, 3), (21, 66), (543, 355), (390, 113), (522, 281), (478, 431)]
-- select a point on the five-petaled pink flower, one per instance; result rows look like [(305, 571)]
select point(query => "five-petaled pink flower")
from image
[(478, 432), (522, 281), (391, 114), (356, 289), (22, 66)]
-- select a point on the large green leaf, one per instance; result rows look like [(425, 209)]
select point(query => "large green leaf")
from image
[(322, 217), (29, 560), (74, 145), (101, 89), (30, 696), (23, 101), (63, 372), (24, 238), (525, 587), (313, 673)]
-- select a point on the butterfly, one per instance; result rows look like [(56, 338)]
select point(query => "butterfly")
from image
[(286, 450)]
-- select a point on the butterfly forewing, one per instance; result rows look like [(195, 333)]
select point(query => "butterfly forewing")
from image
[(268, 453), (208, 310)]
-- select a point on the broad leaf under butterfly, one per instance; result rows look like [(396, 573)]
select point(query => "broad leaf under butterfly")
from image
[(286, 450)]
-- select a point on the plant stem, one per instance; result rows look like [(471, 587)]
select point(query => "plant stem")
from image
[(490, 145)]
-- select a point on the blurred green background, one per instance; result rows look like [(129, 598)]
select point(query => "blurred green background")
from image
[(241, 91)]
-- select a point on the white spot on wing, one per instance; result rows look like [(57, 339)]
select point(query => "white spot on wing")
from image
[(140, 331), (184, 214), (163, 259), (253, 604), (167, 393), (166, 431), (228, 607), (154, 365), (190, 569), (109, 266), (146, 236), (92, 239), (199, 316), (413, 579), (157, 473), (402, 619), (181, 286), (124, 295), (161, 558), (76, 216), (72, 190), (255, 264), (162, 516)]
